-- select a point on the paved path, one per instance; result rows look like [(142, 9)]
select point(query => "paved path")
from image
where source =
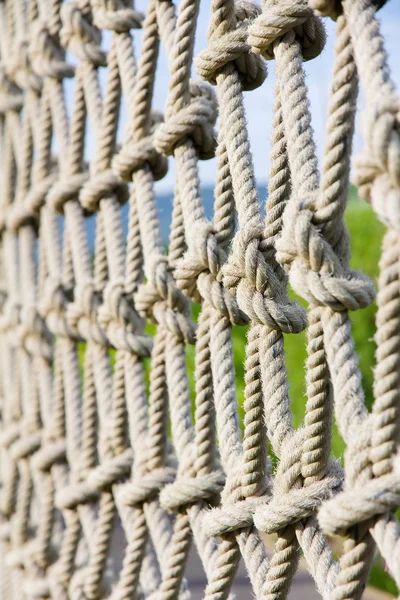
[(303, 587)]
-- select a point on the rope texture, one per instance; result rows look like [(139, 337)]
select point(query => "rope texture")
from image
[(111, 469)]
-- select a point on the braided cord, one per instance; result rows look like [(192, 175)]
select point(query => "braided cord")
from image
[(113, 466)]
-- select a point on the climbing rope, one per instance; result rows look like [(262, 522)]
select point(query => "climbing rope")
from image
[(111, 468)]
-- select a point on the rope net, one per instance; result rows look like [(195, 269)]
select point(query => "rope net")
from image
[(109, 475)]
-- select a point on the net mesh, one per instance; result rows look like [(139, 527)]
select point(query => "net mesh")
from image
[(109, 471)]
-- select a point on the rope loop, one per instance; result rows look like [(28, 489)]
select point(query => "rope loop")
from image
[(74, 495), (162, 301), (82, 314), (177, 323), (232, 47), (116, 15), (198, 274), (120, 321), (11, 98), (360, 503), (216, 295), (291, 500), (160, 286), (115, 452), (37, 195), (188, 491), (117, 306), (11, 314), (10, 435), (260, 292), (38, 587), (26, 446), (135, 155), (47, 56), (33, 334), (296, 504), (53, 306), (66, 189), (231, 517), (111, 471), (80, 36), (280, 18), (51, 453), (147, 487), (196, 120), (205, 255), (21, 216), (20, 70), (101, 478), (101, 186), (315, 270)]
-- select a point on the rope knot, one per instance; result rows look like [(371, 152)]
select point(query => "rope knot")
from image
[(82, 314), (11, 97), (34, 335), (361, 502), (52, 308), (191, 490), (46, 54), (231, 516), (163, 302), (232, 47), (100, 478), (377, 170), (11, 313), (64, 190), (291, 500), (20, 216), (280, 18), (20, 68), (205, 253), (259, 289), (111, 471), (101, 186), (316, 273), (147, 487), (26, 446), (176, 322), (121, 322), (117, 306), (163, 286), (138, 154), (37, 195), (53, 452), (198, 273), (10, 435), (116, 15), (53, 297), (195, 120), (80, 36), (75, 494), (290, 506)]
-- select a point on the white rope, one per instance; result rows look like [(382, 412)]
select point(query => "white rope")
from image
[(111, 469)]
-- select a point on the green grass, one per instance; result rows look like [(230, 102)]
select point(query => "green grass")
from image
[(366, 236)]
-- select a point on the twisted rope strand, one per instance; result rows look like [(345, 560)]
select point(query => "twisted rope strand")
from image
[(112, 465)]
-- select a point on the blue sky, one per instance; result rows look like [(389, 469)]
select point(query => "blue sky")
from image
[(259, 102)]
